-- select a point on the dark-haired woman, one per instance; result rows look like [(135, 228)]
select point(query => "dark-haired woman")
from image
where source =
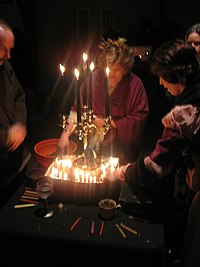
[(176, 65)]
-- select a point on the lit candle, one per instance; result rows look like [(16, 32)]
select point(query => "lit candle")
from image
[(91, 83), (107, 94), (85, 57), (62, 70), (76, 72)]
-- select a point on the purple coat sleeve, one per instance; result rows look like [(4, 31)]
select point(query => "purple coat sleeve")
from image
[(168, 148)]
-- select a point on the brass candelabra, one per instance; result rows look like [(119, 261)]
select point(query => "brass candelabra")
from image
[(86, 130)]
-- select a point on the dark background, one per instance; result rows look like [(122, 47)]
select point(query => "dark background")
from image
[(50, 32)]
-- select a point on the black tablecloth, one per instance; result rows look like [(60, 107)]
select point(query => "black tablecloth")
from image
[(24, 224)]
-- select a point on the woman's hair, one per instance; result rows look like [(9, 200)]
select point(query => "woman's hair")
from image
[(193, 28), (175, 61), (114, 51)]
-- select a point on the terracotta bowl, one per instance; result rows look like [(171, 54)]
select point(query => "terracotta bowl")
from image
[(45, 151)]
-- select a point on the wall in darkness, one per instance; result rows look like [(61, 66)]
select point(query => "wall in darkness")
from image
[(60, 28), (55, 29), (58, 31)]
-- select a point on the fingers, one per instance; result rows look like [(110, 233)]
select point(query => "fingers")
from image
[(16, 135), (121, 171)]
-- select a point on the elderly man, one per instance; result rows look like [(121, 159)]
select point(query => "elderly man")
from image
[(13, 114)]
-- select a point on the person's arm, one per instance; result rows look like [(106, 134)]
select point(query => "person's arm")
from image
[(158, 164), (181, 125), (64, 142), (13, 129)]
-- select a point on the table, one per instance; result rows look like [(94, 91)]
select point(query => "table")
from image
[(22, 225)]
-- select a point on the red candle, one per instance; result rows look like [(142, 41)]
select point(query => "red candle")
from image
[(75, 223)]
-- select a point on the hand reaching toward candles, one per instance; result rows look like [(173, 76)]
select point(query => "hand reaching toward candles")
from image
[(121, 171), (63, 143), (99, 122), (111, 175)]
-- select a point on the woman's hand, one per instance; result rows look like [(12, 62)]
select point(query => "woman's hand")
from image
[(63, 143), (99, 122), (121, 171)]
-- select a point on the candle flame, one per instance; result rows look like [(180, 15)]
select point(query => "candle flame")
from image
[(92, 66), (85, 57), (107, 71), (63, 168), (76, 73), (62, 69)]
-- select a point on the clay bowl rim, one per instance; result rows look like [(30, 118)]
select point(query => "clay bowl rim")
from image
[(50, 141)]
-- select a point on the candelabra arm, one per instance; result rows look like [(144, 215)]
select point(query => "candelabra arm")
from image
[(106, 126), (85, 140)]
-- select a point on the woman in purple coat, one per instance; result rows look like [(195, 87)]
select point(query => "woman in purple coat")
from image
[(128, 103)]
